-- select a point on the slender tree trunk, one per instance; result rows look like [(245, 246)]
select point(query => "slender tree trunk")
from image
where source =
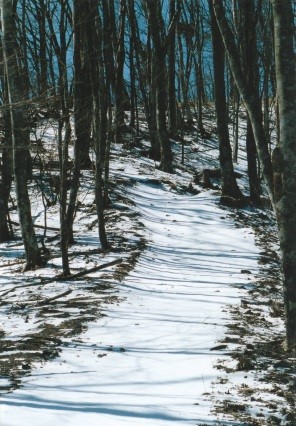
[(6, 163), (152, 100), (250, 65), (82, 107), (64, 235), (173, 127), (235, 124), (266, 97), (184, 86), (42, 48), (95, 43), (6, 177), (199, 72), (20, 134), (26, 75), (152, 114), (229, 185), (120, 97), (133, 91), (64, 122), (254, 181), (145, 80)]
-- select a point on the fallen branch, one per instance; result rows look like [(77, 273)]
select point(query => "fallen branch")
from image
[(43, 302), (89, 271), (18, 262), (17, 287), (51, 299), (50, 228), (60, 278)]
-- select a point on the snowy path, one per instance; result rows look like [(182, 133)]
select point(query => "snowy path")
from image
[(149, 361)]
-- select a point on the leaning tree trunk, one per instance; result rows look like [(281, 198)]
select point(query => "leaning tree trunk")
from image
[(20, 134), (251, 101), (229, 185), (285, 182)]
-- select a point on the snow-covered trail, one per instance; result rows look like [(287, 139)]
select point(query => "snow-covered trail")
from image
[(148, 362)]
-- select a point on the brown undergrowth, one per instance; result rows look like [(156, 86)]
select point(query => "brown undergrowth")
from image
[(255, 335), (59, 320)]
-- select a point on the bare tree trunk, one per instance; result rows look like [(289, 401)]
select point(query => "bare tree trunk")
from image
[(285, 158), (199, 72), (6, 163), (6, 177), (114, 55), (183, 85), (155, 22), (152, 100), (64, 140), (173, 127), (120, 99), (41, 16), (94, 41), (133, 91), (235, 124), (20, 134), (251, 101), (144, 68), (82, 107), (229, 185), (250, 65)]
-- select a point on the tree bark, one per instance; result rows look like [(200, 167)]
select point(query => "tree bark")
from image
[(82, 107), (250, 65), (157, 30), (251, 101), (95, 43), (6, 166), (145, 79), (64, 140), (120, 98), (229, 185), (173, 128), (285, 189), (20, 134)]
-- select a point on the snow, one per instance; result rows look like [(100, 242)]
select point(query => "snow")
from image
[(149, 361)]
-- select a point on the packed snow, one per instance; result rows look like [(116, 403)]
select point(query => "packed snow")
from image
[(151, 361)]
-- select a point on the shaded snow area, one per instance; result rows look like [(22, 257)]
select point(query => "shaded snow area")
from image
[(151, 357)]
